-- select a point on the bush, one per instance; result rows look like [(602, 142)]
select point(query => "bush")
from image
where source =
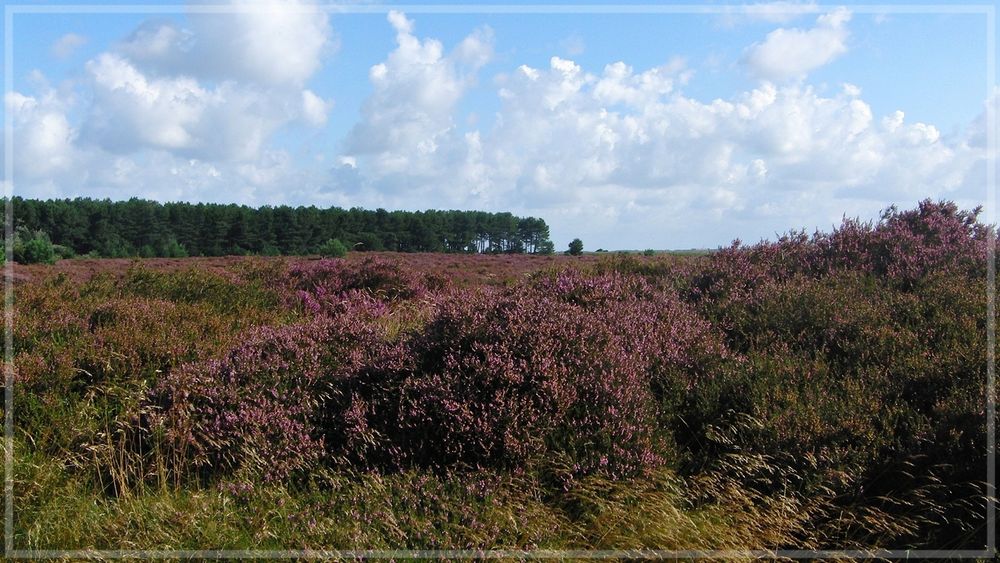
[(563, 365), (318, 285), (33, 248), (63, 252), (173, 249), (279, 403), (333, 248)]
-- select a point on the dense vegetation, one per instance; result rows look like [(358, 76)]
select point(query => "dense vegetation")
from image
[(821, 391), (147, 228)]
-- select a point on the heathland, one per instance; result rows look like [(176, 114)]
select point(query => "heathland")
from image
[(818, 391)]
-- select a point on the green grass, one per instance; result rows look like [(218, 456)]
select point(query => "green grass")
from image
[(58, 509)]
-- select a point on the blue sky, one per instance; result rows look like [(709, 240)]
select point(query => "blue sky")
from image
[(626, 130)]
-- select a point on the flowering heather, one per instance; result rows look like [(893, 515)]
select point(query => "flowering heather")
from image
[(259, 408), (497, 377), (323, 283), (901, 250), (815, 391)]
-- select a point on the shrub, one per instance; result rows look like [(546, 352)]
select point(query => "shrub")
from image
[(173, 249), (63, 252), (33, 248), (319, 285), (276, 405), (564, 364), (333, 248), (499, 377)]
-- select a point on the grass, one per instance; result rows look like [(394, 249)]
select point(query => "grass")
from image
[(57, 509)]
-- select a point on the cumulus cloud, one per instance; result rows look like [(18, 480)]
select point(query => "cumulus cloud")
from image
[(787, 53), (44, 144), (272, 43), (216, 91), (159, 43), (177, 114), (314, 108), (407, 123), (67, 45)]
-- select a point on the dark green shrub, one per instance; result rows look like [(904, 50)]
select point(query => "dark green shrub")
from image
[(333, 248), (173, 249), (63, 251), (33, 248)]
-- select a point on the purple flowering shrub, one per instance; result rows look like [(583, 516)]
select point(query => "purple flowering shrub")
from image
[(260, 409), (498, 377), (564, 363), (865, 357), (320, 284), (901, 251)]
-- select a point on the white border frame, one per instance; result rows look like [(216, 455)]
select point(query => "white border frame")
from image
[(987, 10)]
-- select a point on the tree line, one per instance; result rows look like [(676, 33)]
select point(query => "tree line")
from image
[(138, 227)]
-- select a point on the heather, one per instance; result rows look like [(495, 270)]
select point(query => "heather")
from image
[(818, 391)]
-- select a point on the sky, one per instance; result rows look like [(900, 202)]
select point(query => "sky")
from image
[(629, 131)]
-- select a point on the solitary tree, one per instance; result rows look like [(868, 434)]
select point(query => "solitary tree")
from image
[(575, 247)]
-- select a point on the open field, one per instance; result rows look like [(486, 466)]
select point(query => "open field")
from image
[(816, 392)]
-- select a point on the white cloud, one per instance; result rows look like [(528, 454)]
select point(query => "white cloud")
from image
[(159, 43), (131, 111), (216, 91), (44, 141), (67, 45), (788, 53), (176, 112), (314, 108), (273, 43), (407, 124)]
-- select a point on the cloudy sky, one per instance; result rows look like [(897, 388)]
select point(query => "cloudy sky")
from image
[(627, 130)]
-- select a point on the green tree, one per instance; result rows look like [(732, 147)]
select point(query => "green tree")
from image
[(575, 247)]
